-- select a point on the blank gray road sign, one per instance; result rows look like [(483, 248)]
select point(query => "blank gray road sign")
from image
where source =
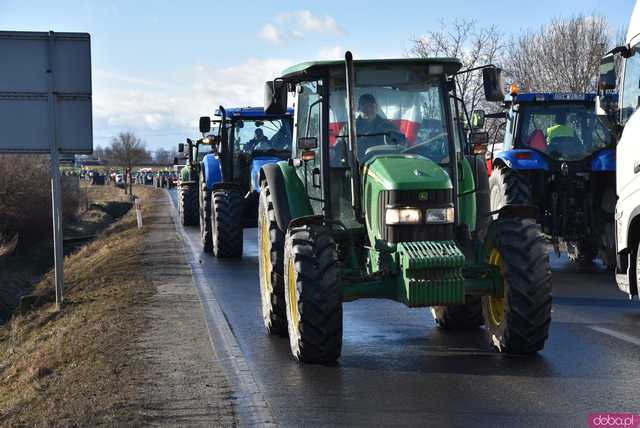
[(24, 112)]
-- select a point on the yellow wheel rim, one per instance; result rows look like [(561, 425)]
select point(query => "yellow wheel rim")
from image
[(294, 317), (265, 266), (496, 304)]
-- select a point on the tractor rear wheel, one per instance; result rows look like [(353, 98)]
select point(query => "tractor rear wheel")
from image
[(188, 206), (271, 261), (517, 321), (205, 218), (460, 317), (312, 294), (226, 223), (507, 187)]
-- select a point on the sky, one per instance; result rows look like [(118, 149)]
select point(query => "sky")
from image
[(157, 66)]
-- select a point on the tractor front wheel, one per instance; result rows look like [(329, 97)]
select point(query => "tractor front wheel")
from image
[(205, 218), (226, 223), (459, 317), (517, 321), (312, 294), (271, 261)]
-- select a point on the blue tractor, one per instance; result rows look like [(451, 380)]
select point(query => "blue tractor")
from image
[(245, 140), (558, 158)]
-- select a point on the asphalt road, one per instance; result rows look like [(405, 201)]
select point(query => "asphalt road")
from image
[(398, 369)]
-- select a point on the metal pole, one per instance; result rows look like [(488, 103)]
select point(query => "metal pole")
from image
[(56, 200)]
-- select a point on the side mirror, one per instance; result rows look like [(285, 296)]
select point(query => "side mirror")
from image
[(607, 79), (493, 84), (181, 148), (307, 143), (275, 97), (205, 124), (479, 142), (477, 119)]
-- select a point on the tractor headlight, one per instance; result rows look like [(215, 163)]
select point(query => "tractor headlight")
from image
[(440, 215), (403, 216)]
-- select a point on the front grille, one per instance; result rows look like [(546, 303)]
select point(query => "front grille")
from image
[(417, 232)]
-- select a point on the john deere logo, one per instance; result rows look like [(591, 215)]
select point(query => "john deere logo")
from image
[(423, 196)]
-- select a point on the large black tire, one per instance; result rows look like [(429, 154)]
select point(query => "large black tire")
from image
[(205, 218), (226, 223), (507, 187), (313, 294), (518, 323), (460, 317), (271, 260), (188, 206)]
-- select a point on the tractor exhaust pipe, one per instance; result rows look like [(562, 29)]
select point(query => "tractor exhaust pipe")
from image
[(353, 137)]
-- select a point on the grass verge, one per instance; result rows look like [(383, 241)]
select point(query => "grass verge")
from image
[(73, 367)]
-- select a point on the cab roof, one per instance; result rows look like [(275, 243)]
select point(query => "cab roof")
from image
[(314, 68), (550, 97), (250, 113)]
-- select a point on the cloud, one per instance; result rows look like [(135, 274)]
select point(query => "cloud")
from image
[(271, 34), (296, 25), (333, 52), (164, 114)]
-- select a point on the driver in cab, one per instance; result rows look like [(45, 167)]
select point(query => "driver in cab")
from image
[(259, 142), (371, 128)]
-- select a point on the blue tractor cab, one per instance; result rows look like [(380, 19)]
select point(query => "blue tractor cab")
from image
[(559, 158), (243, 141)]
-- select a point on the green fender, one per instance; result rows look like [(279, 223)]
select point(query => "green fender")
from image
[(288, 194)]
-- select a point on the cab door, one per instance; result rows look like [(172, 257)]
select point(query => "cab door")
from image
[(307, 125)]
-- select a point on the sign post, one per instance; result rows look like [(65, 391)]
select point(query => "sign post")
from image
[(45, 107)]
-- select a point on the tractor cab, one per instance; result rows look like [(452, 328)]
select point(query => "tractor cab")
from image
[(250, 138), (547, 130), (379, 200)]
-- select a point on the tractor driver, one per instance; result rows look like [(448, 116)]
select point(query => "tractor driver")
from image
[(560, 129), (371, 128), (259, 142)]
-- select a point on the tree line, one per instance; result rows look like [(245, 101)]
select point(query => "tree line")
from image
[(560, 56), (126, 149)]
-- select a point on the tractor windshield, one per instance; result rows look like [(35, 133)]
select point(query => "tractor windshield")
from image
[(254, 137), (398, 110), (562, 131)]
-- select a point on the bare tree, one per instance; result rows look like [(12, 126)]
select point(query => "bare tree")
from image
[(128, 151), (562, 56), (474, 46)]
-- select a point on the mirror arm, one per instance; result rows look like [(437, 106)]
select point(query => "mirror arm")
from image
[(625, 51), (469, 70)]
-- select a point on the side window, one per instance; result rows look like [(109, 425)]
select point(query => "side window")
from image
[(631, 86)]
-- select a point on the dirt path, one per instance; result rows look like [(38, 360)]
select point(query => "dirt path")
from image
[(184, 385)]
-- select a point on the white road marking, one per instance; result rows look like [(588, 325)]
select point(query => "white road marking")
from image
[(617, 335)]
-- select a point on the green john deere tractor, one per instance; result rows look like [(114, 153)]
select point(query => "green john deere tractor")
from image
[(379, 200)]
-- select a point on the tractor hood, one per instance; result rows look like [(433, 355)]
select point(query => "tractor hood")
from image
[(407, 172)]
